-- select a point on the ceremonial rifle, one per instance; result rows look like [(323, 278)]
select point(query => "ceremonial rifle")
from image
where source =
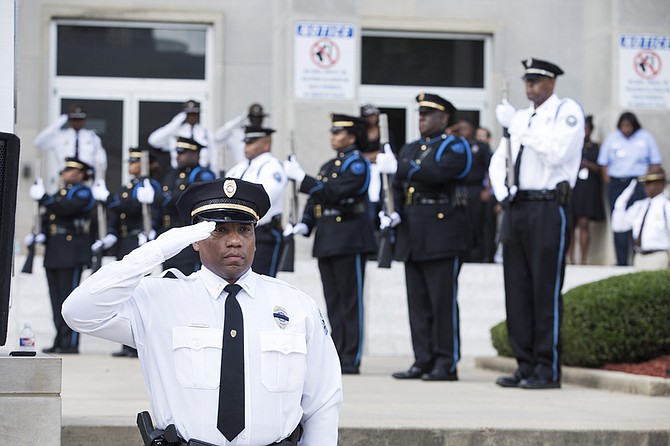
[(287, 261), (96, 262), (37, 227), (511, 179), (387, 236), (146, 208)]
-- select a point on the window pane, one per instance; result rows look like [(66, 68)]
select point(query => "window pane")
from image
[(423, 62), (162, 53)]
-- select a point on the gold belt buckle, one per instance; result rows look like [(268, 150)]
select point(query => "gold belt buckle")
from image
[(317, 211)]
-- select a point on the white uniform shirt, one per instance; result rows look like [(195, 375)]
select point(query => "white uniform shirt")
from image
[(292, 374), (656, 231), (63, 142), (231, 135), (165, 138), (557, 127), (265, 169)]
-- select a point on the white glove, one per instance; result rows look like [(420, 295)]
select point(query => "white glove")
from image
[(176, 239), (178, 119), (504, 113), (300, 228), (145, 193), (142, 237), (293, 169), (99, 190), (37, 190), (386, 161), (622, 200), (32, 238), (107, 242), (288, 230), (388, 221)]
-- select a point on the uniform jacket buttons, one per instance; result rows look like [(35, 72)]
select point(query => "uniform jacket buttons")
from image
[(440, 216)]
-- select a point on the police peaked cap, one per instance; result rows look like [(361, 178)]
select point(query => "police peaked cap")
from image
[(540, 68), (187, 144), (256, 110), (346, 122), (654, 173), (76, 112), (192, 106), (429, 102), (224, 200), (76, 163), (369, 110), (252, 132)]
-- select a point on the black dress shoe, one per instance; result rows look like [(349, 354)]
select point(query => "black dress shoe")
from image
[(69, 350), (51, 350), (439, 375), (414, 372), (509, 381), (537, 382), (350, 370)]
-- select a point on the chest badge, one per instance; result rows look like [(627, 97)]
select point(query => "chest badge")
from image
[(281, 316)]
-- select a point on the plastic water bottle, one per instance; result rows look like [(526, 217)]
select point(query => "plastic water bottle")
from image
[(27, 339)]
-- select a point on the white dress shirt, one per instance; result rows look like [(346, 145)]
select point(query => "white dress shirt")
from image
[(656, 231), (292, 374), (553, 136), (63, 142), (265, 169), (165, 138)]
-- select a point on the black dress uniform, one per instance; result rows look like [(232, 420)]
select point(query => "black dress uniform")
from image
[(67, 252), (338, 210), (124, 211), (431, 199), (175, 184), (545, 141)]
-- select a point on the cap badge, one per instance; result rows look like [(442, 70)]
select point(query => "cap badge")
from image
[(421, 96), (529, 62), (229, 188), (281, 316)]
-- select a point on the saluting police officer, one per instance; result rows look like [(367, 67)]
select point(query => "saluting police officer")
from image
[(546, 141), (431, 218), (74, 141), (188, 172), (66, 223), (338, 210), (125, 212), (263, 168), (229, 356)]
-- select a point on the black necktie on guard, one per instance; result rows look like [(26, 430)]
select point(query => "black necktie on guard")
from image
[(230, 419)]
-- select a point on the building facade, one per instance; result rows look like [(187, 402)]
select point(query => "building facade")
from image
[(132, 63)]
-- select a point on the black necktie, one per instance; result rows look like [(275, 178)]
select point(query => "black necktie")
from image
[(517, 164), (230, 420), (638, 239), (76, 144)]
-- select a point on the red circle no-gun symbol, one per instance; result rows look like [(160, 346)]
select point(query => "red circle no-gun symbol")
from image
[(647, 64), (325, 53)]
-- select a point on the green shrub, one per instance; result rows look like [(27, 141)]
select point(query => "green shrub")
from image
[(619, 319)]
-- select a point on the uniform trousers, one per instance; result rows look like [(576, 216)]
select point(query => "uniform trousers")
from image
[(432, 288), (476, 209), (342, 278), (269, 245), (61, 283), (534, 247)]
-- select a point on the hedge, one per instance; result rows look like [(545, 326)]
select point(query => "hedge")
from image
[(619, 319)]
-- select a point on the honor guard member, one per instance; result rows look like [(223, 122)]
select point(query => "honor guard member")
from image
[(649, 219), (431, 218), (188, 172), (74, 141), (337, 209), (66, 222), (229, 356), (231, 134), (186, 124), (125, 212), (263, 168), (546, 147)]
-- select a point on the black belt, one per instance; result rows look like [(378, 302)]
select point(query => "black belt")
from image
[(535, 195), (420, 198), (356, 209), (622, 179)]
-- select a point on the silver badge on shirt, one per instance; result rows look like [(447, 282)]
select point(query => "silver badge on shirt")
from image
[(281, 316)]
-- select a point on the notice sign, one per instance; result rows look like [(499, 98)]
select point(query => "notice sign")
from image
[(324, 55), (644, 71)]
